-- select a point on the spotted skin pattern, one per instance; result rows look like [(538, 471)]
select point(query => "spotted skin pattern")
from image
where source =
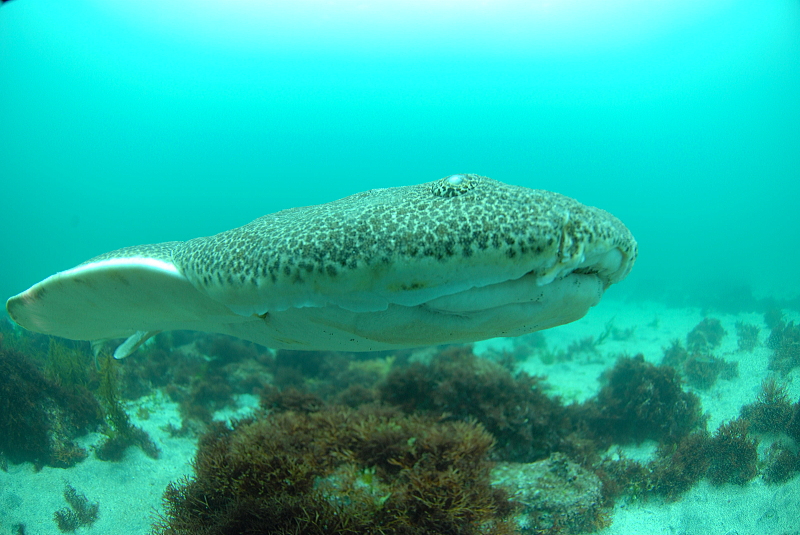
[(472, 221), (461, 259)]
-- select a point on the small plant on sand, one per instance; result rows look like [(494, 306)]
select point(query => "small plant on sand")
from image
[(695, 362), (784, 341), (80, 512), (772, 411), (733, 454), (747, 336), (120, 432), (706, 335)]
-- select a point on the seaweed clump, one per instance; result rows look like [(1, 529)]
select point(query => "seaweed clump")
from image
[(696, 361), (80, 512), (120, 432), (784, 341), (336, 377), (339, 470), (733, 454), (728, 456), (651, 405), (705, 336), (772, 411), (201, 372), (793, 427), (40, 415), (679, 466), (642, 402), (527, 424), (702, 371), (774, 415), (746, 336), (781, 463)]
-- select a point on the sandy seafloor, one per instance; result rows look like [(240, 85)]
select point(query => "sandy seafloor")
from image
[(130, 492)]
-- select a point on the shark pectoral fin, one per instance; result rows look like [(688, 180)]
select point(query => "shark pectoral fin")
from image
[(133, 342)]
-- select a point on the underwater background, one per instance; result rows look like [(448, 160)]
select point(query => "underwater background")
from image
[(672, 407), (127, 123)]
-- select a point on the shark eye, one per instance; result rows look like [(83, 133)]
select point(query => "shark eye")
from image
[(454, 185)]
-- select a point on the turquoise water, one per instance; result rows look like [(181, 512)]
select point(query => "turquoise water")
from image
[(124, 123)]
